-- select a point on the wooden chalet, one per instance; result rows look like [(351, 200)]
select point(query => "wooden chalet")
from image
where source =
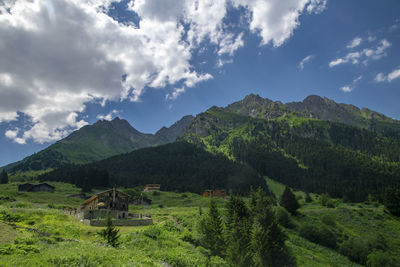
[(27, 187), (111, 199), (214, 193)]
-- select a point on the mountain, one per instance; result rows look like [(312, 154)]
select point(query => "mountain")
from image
[(178, 166), (94, 142), (315, 107), (316, 145)]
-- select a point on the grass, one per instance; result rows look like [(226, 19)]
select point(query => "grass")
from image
[(172, 238)]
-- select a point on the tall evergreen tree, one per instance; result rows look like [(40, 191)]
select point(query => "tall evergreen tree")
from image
[(392, 200), (289, 201), (238, 233), (211, 228), (4, 177), (267, 239)]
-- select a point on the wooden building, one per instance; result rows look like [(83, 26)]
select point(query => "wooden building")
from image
[(111, 201), (151, 187), (27, 187), (214, 193)]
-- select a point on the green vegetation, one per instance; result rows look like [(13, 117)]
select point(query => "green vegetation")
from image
[(33, 222), (178, 167), (110, 233)]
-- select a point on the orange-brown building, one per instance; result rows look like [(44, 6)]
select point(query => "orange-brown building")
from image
[(214, 193), (151, 187)]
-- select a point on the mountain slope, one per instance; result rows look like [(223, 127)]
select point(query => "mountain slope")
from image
[(318, 108), (177, 166), (310, 154), (94, 142)]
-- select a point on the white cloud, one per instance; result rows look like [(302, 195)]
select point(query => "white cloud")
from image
[(350, 87), (275, 20), (363, 55), (57, 56), (109, 116), (395, 74), (174, 95), (305, 60), (354, 43), (12, 134)]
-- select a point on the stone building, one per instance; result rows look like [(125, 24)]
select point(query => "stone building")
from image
[(111, 201)]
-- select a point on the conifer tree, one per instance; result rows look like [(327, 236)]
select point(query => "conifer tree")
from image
[(289, 201), (267, 239), (4, 177), (110, 233), (211, 228), (392, 200), (238, 233)]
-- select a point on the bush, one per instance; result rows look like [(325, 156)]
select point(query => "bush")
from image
[(379, 258), (283, 217), (156, 193), (324, 199), (320, 235), (153, 232), (328, 220), (358, 249)]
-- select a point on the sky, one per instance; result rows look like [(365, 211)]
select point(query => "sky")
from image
[(65, 64)]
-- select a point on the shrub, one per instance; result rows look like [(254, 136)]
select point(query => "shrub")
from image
[(283, 217), (153, 232), (308, 198), (319, 234), (110, 233), (328, 220), (156, 193), (324, 199), (289, 201), (379, 258)]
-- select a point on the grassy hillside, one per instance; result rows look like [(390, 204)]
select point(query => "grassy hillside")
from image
[(172, 239)]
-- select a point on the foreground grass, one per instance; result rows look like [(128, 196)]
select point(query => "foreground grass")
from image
[(171, 241)]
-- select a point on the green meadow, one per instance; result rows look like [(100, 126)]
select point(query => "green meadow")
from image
[(35, 231)]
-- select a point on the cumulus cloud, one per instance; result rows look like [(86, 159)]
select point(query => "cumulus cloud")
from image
[(57, 56), (395, 74), (354, 43), (305, 60), (363, 56), (175, 93), (350, 87), (109, 116), (275, 20)]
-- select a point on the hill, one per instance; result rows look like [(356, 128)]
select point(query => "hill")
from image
[(312, 154), (178, 166), (94, 142)]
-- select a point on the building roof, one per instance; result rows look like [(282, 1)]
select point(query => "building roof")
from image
[(87, 201)]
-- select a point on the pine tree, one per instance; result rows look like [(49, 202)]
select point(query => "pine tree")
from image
[(267, 239), (4, 177), (289, 201), (110, 233), (238, 233), (211, 228), (392, 200)]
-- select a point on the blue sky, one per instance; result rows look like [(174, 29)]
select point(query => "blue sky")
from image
[(66, 64)]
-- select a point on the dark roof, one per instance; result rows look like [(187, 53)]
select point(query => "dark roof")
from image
[(98, 193), (46, 185)]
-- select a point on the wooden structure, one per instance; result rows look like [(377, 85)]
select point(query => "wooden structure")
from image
[(111, 201), (151, 187), (27, 187), (214, 193)]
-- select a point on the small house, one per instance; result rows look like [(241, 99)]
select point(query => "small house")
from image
[(214, 193), (27, 187), (111, 201), (151, 187)]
